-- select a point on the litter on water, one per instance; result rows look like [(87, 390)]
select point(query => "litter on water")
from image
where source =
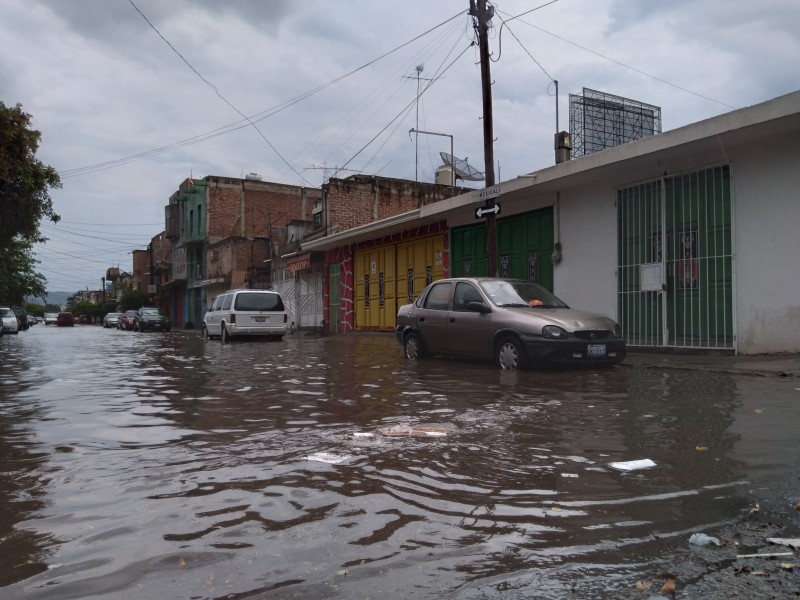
[(328, 457), (633, 465), (701, 539), (791, 542), (416, 431)]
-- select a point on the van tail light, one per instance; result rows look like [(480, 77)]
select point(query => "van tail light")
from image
[(232, 320), (285, 318)]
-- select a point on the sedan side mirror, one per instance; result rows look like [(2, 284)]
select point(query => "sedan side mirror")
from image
[(479, 307)]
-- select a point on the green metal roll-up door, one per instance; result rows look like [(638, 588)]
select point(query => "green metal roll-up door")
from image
[(524, 248), (468, 251)]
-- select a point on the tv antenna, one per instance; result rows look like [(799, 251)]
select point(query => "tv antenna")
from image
[(418, 69), (326, 169)]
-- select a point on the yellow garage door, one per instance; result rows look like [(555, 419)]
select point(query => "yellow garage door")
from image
[(390, 276), (375, 278)]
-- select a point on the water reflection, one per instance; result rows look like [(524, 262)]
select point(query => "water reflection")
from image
[(163, 466)]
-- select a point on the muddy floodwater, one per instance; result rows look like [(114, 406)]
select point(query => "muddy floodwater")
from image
[(161, 466)]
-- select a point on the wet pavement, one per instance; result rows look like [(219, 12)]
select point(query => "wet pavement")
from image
[(162, 466)]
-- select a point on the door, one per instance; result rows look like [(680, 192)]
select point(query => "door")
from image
[(675, 261), (469, 333), (433, 315)]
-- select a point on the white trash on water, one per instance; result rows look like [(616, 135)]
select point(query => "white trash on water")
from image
[(633, 465), (328, 457), (701, 539)]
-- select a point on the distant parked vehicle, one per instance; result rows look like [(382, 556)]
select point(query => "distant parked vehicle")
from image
[(50, 318), (111, 319), (150, 318), (126, 320), (84, 320), (22, 317), (65, 319), (10, 322)]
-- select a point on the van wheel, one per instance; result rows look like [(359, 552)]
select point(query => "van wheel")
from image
[(414, 347), (510, 354), (224, 335)]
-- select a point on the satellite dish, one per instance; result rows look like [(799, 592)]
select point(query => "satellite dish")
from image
[(461, 168)]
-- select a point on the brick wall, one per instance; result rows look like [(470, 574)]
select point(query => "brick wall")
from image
[(360, 199), (245, 207)]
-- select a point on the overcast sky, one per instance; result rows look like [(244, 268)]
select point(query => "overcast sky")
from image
[(131, 96)]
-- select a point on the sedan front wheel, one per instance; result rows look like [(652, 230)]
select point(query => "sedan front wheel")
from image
[(414, 347), (510, 354)]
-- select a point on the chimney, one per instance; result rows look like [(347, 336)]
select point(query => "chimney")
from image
[(563, 145)]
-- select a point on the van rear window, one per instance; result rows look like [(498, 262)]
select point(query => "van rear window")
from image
[(250, 301)]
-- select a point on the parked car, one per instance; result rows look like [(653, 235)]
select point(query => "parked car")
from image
[(83, 320), (22, 318), (126, 320), (150, 318), (515, 323), (246, 313), (10, 321), (32, 319), (50, 318), (65, 319), (111, 319)]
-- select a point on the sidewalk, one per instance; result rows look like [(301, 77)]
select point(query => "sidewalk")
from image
[(765, 365)]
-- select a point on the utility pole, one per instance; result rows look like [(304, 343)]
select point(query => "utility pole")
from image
[(484, 15), (152, 274)]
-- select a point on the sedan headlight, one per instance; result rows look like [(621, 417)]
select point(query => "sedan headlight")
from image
[(553, 332)]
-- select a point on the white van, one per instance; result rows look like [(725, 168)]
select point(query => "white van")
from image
[(246, 313)]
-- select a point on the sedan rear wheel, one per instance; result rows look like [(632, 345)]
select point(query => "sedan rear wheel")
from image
[(510, 354), (414, 347)]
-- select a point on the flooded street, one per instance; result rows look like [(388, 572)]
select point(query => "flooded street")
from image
[(162, 466)]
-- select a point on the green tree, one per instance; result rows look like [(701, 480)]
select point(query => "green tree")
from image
[(18, 278), (24, 180), (133, 300)]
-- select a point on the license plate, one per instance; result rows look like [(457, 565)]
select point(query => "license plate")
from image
[(596, 350), (259, 319)]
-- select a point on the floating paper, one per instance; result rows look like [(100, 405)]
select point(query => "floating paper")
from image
[(633, 465)]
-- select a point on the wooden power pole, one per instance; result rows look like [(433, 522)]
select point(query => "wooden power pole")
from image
[(484, 15)]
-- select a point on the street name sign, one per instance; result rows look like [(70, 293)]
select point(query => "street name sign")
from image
[(489, 192)]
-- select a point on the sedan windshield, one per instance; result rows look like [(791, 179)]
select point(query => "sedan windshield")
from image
[(520, 293)]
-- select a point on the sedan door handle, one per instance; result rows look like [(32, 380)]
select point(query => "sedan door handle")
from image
[(421, 319), (452, 319)]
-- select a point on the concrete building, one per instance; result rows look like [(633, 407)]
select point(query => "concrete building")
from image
[(688, 238)]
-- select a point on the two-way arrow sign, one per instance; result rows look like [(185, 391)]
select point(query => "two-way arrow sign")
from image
[(482, 211)]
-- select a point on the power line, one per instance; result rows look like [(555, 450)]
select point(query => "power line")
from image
[(216, 91), (664, 81), (258, 117), (405, 109)]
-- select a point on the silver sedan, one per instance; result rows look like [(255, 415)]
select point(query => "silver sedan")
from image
[(514, 323)]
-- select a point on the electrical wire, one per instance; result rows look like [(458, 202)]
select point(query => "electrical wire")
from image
[(216, 91), (664, 81), (404, 110), (256, 118)]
